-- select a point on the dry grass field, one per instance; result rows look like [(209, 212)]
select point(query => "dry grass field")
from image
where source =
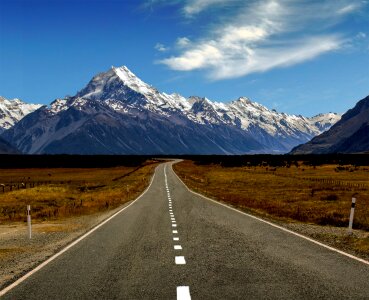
[(58, 193), (318, 195)]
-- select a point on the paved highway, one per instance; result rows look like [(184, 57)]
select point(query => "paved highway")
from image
[(173, 244)]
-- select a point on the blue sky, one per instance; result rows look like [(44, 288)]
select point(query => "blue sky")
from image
[(299, 57)]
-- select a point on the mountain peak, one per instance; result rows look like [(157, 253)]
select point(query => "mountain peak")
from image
[(131, 80)]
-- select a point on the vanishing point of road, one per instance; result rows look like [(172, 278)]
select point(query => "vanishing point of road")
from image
[(173, 244)]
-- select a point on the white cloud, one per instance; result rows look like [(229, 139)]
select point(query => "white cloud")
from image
[(160, 47), (261, 60), (260, 36), (229, 61)]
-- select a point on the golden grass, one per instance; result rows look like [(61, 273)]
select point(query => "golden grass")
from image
[(319, 195), (71, 192)]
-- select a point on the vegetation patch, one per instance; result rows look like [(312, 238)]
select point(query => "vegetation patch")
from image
[(64, 192), (296, 192)]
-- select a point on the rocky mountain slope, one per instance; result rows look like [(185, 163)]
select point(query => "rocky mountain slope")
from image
[(117, 113), (349, 135), (6, 148)]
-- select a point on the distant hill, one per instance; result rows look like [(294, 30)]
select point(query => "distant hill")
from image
[(349, 135)]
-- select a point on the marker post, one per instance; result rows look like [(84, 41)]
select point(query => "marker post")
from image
[(29, 221), (352, 215)]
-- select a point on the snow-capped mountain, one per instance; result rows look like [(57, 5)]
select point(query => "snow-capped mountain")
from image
[(11, 111), (118, 113)]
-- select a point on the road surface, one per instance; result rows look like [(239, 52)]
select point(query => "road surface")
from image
[(172, 244)]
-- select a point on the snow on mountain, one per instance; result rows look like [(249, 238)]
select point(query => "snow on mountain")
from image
[(11, 111), (119, 113)]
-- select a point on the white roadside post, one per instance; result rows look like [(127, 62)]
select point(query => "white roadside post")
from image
[(29, 221), (352, 215)]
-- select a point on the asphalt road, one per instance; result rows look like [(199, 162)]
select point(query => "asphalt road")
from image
[(191, 247)]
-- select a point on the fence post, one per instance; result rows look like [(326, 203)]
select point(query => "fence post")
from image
[(29, 221), (352, 215)]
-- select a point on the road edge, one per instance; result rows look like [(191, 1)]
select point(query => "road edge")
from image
[(50, 259), (274, 225)]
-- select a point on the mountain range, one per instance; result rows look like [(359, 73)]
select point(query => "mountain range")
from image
[(348, 135), (117, 113)]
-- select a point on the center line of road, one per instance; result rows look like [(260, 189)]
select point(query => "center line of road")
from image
[(183, 293), (180, 260)]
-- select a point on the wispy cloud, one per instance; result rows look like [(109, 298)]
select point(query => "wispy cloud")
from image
[(183, 42), (160, 47), (348, 8), (261, 35), (193, 7)]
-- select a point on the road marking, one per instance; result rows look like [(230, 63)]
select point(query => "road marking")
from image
[(176, 239), (183, 293), (177, 247), (175, 231), (174, 225), (277, 226), (173, 219), (180, 260), (39, 267)]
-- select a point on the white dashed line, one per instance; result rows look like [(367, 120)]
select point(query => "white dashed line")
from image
[(183, 293), (180, 260)]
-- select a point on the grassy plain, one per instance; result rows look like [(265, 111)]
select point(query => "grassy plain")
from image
[(318, 195), (60, 193)]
